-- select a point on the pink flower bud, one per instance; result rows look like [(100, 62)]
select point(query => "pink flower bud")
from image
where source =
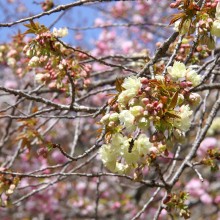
[(144, 81), (183, 85), (116, 205), (155, 103), (189, 83), (173, 5), (213, 5), (147, 89), (42, 152), (159, 106), (153, 149), (149, 106), (194, 99), (145, 101)]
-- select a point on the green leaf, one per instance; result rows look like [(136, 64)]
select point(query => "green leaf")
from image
[(174, 99), (35, 27), (176, 17), (172, 114)]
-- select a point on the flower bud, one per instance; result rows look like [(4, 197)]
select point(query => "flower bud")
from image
[(208, 4), (133, 102), (214, 4), (114, 117), (159, 106), (11, 189), (153, 149), (145, 101), (149, 107), (194, 99), (26, 47), (61, 32), (42, 152), (183, 85), (146, 113), (137, 110), (177, 134), (173, 5), (143, 123), (39, 77), (111, 124), (105, 119), (180, 99), (2, 47), (147, 89), (60, 66), (159, 77), (144, 80), (162, 147), (189, 83), (11, 61), (163, 99), (155, 103)]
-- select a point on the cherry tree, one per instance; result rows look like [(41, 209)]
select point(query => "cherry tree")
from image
[(124, 124)]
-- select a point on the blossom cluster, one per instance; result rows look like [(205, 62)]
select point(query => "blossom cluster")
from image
[(179, 71), (61, 32), (51, 60), (119, 148), (162, 105), (11, 55)]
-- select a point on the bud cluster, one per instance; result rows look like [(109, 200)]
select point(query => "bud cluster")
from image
[(8, 184), (211, 3), (200, 53), (206, 18), (51, 60)]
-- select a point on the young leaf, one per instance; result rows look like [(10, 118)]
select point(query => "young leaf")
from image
[(118, 84), (173, 102)]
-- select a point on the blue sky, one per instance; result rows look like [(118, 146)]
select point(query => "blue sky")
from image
[(78, 16)]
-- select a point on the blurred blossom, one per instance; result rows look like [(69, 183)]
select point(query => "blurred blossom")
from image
[(206, 144), (88, 209), (127, 46), (217, 199), (206, 198), (98, 67), (78, 36), (163, 213), (12, 84), (198, 189), (116, 205), (58, 157), (98, 22), (137, 18), (215, 126), (81, 186), (61, 32)]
